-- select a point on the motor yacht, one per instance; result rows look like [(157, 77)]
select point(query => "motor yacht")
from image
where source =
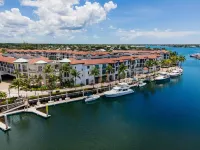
[(175, 73), (119, 90), (163, 77)]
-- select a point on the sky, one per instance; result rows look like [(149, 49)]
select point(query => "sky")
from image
[(100, 21)]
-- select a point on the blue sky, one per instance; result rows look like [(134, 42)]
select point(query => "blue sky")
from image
[(100, 21)]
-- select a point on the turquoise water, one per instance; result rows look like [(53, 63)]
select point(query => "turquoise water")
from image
[(157, 117)]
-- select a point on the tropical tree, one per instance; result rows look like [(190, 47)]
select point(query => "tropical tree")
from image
[(109, 70), (47, 71), (174, 60), (39, 80), (94, 72), (16, 84), (181, 59), (166, 63), (149, 64), (76, 74), (173, 53), (156, 63), (3, 95), (122, 71), (52, 79), (26, 84), (17, 73), (65, 68)]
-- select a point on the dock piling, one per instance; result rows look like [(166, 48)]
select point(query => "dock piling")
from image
[(6, 121), (47, 110)]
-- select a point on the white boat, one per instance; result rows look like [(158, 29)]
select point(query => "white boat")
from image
[(175, 73), (120, 90), (179, 70), (141, 84), (92, 98), (163, 77)]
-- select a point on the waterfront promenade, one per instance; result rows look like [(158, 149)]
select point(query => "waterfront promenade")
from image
[(4, 86)]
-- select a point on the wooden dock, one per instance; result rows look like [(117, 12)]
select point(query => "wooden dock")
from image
[(37, 112)]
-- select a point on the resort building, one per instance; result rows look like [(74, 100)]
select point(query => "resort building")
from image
[(32, 62)]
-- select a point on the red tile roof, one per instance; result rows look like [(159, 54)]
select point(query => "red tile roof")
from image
[(34, 60), (89, 52), (7, 59), (100, 61)]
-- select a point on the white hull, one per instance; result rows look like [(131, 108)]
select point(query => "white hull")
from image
[(142, 84), (174, 75), (163, 79), (93, 98), (119, 93)]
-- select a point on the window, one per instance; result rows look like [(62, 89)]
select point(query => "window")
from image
[(88, 67), (40, 68)]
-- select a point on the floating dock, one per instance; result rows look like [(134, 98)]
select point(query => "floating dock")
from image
[(4, 127), (35, 110)]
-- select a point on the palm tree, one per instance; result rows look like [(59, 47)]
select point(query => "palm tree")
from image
[(109, 70), (174, 60), (3, 95), (94, 72), (173, 53), (52, 81), (181, 59), (149, 64), (17, 73), (75, 74), (47, 70), (26, 84), (39, 80), (65, 68), (16, 84), (166, 63), (121, 71)]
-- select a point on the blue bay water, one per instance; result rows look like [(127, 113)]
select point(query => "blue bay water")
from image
[(157, 117)]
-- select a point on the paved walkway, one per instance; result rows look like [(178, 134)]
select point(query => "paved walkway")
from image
[(14, 93)]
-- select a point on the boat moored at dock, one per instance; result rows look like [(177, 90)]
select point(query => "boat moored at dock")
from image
[(92, 98), (175, 73), (163, 77), (120, 90)]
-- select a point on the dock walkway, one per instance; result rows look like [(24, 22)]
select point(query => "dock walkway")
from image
[(39, 113)]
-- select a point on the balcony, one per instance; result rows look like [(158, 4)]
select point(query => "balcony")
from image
[(24, 70), (33, 70)]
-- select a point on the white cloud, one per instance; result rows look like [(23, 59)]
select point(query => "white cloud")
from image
[(14, 24), (1, 2), (55, 17), (133, 34), (112, 27), (110, 5), (96, 37)]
